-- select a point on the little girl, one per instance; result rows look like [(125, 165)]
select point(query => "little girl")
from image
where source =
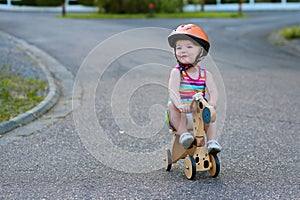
[(191, 45)]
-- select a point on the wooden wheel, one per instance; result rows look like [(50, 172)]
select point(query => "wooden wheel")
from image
[(189, 167), (167, 160), (215, 168)]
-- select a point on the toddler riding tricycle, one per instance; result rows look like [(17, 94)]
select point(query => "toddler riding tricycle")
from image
[(196, 158)]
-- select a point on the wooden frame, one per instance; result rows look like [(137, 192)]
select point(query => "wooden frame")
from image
[(202, 113)]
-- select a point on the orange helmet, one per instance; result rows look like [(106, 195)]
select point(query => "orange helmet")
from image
[(192, 31)]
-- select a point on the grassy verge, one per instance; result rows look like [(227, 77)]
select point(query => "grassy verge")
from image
[(291, 32), (156, 15), (18, 94)]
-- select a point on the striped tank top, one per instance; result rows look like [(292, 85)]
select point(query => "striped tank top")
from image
[(189, 86)]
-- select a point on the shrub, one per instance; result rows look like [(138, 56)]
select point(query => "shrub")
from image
[(38, 2), (24, 2), (87, 2), (49, 3), (291, 32), (140, 6), (171, 6)]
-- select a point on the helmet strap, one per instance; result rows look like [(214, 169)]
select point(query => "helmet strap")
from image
[(184, 67)]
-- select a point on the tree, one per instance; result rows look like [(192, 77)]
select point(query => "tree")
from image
[(87, 2), (139, 6)]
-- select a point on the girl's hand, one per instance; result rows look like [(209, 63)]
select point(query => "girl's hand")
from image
[(185, 108)]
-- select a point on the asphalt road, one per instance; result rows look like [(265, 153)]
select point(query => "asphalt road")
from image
[(93, 153)]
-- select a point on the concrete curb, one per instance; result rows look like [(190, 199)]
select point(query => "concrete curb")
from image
[(277, 39), (44, 106), (67, 100)]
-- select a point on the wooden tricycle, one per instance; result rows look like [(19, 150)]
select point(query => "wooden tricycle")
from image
[(196, 158)]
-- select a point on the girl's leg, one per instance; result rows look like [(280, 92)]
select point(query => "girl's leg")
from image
[(177, 119), (211, 132)]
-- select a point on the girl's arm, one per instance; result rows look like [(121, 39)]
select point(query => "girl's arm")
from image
[(212, 89), (174, 83)]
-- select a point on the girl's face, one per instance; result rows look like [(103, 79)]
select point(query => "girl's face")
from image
[(187, 51)]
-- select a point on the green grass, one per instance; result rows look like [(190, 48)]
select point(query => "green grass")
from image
[(18, 94), (291, 32), (156, 15)]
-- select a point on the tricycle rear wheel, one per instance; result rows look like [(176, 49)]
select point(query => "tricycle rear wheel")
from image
[(167, 159), (215, 168)]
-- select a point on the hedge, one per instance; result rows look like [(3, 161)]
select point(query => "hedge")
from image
[(116, 6), (140, 6), (38, 2), (87, 2)]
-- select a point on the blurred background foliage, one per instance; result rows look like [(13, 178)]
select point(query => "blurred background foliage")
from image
[(114, 6), (38, 2), (135, 6), (139, 6)]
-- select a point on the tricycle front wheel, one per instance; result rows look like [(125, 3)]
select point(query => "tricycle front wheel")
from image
[(189, 167)]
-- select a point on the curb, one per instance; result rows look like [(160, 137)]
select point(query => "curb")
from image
[(277, 39), (44, 106)]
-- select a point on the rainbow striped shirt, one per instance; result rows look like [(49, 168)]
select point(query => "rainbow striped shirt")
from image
[(189, 86)]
